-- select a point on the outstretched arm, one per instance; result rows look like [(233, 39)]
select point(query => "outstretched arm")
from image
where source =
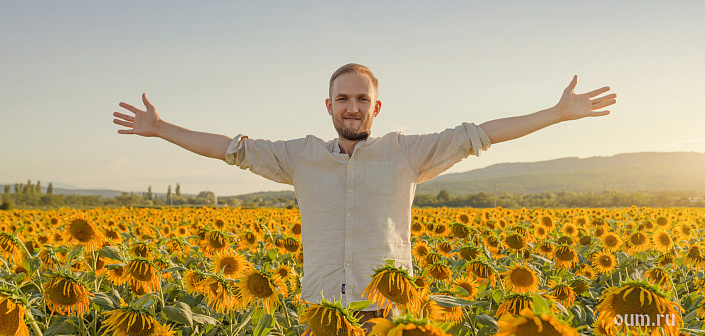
[(570, 107), (147, 123)]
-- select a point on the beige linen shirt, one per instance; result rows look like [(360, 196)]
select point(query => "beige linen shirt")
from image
[(355, 210)]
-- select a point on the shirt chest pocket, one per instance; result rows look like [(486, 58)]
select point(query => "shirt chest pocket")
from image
[(380, 177)]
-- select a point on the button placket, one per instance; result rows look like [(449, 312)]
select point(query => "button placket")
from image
[(349, 222)]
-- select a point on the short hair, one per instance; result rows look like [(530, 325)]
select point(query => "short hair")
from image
[(356, 68)]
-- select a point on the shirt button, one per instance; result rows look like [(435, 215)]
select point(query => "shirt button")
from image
[(347, 264), (350, 165), (349, 191), (349, 214), (348, 240)]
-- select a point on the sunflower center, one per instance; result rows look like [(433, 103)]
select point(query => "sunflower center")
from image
[(561, 293), (394, 287), (65, 293), (422, 250), (605, 261), (530, 328), (565, 254), (9, 316), (250, 238), (141, 326), (296, 229), (229, 265), (328, 326), (515, 241), (522, 278), (142, 271), (664, 239), (258, 285), (216, 241), (611, 241), (632, 302), (638, 239), (480, 270), (579, 287), (291, 245), (445, 247), (81, 231)]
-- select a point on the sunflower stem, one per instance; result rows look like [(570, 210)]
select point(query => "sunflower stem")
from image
[(286, 313)]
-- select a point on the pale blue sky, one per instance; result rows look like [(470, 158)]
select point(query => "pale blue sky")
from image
[(262, 68)]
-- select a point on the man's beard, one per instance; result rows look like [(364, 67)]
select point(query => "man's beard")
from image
[(347, 133)]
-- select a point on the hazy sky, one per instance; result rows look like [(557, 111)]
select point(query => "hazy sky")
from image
[(262, 69)]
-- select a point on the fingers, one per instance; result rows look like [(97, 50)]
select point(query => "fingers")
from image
[(125, 131), (572, 84), (603, 98), (146, 102), (599, 113), (123, 123), (603, 104), (123, 116), (130, 108), (598, 91)]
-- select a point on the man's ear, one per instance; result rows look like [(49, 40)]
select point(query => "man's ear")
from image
[(329, 106), (378, 107)]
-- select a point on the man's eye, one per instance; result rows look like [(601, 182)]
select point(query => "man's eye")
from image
[(340, 99)]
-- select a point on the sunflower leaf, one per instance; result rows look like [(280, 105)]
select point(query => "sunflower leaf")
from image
[(265, 325), (359, 305), (541, 305), (103, 301), (179, 312), (111, 252), (76, 251), (204, 319), (172, 269), (486, 320), (449, 301)]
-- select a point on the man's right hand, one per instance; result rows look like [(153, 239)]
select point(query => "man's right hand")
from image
[(144, 123)]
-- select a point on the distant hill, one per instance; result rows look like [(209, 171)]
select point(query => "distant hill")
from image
[(631, 172)]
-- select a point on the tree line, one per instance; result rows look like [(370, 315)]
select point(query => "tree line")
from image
[(31, 195)]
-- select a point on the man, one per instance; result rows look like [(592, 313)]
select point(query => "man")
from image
[(355, 192)]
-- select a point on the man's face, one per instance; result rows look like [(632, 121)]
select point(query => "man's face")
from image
[(353, 105)]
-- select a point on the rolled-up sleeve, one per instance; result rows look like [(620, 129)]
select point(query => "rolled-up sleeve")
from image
[(275, 160), (432, 154)]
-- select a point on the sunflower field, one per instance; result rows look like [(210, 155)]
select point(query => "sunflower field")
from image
[(205, 271)]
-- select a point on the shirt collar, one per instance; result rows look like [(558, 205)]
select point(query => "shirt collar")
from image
[(336, 147)]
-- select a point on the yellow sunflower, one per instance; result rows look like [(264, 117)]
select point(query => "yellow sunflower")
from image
[(468, 285), (444, 248), (220, 292), (460, 230), (12, 314), (604, 262), (417, 229), (116, 275), (565, 256), (10, 247), (513, 305), (694, 256), (214, 242), (406, 325), (392, 285), (291, 244), (659, 277), (521, 279), (611, 242), (420, 250), (64, 295), (579, 285), (82, 230), (330, 319), (640, 299), (469, 252), (248, 241), (528, 323), (484, 273), (261, 287), (439, 271), (144, 272), (285, 272), (661, 241), (637, 242), (128, 321), (545, 249), (231, 264), (563, 292)]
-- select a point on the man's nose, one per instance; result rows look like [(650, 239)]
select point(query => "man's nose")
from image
[(353, 106)]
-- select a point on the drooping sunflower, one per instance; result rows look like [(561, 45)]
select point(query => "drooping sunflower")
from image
[(468, 285), (64, 294), (694, 256), (469, 252), (232, 264), (220, 292), (659, 277), (248, 241), (513, 304), (83, 231), (143, 271), (632, 298), (604, 262), (445, 249), (484, 273), (545, 249), (460, 230), (661, 241), (454, 313), (666, 260), (12, 314), (565, 256), (10, 247), (521, 279), (392, 285), (214, 242), (563, 293), (439, 271), (261, 287), (579, 285), (330, 319), (116, 275), (129, 321), (406, 325), (529, 323)]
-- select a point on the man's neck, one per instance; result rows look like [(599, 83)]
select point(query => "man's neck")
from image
[(347, 146)]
